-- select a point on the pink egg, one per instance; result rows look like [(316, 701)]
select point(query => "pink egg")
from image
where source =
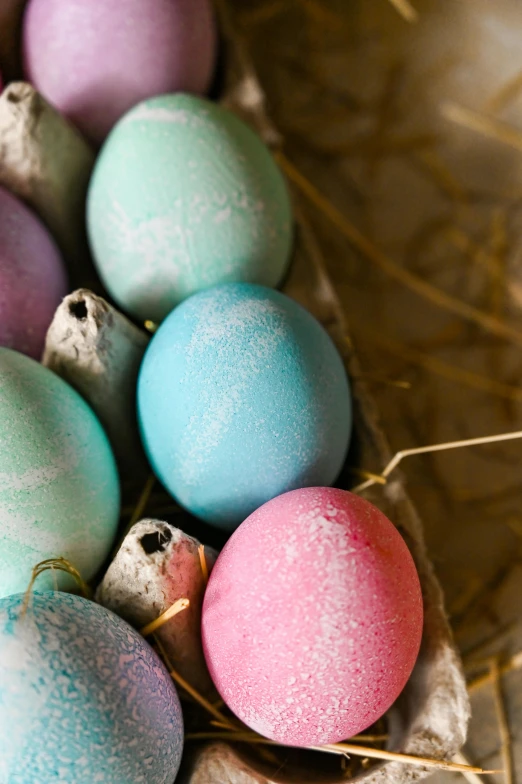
[(95, 59), (32, 277), (312, 619)]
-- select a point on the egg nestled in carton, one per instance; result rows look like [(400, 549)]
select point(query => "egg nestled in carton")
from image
[(32, 277), (59, 489), (184, 195), (430, 717), (120, 56), (312, 619), (83, 698), (242, 395)]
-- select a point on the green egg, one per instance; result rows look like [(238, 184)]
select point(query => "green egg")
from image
[(59, 489), (185, 196)]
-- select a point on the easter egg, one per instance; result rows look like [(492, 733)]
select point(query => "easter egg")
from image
[(242, 396), (93, 59), (185, 196), (83, 698), (312, 618), (59, 491), (32, 277)]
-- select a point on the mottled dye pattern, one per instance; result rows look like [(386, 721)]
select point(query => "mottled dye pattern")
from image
[(32, 277), (83, 698), (95, 59), (242, 396), (312, 618), (59, 490), (184, 196)]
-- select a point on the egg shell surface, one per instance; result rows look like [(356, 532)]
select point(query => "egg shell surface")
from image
[(94, 60), (184, 196), (312, 618), (32, 277), (83, 698), (59, 489), (242, 395)]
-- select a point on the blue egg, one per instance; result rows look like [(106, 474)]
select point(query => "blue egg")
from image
[(242, 396), (83, 698)]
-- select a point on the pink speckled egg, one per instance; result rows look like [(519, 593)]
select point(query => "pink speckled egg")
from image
[(95, 59), (32, 277), (312, 619)]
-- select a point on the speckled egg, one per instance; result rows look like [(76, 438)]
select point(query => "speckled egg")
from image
[(312, 619), (83, 698), (242, 396), (59, 490), (32, 277), (184, 196), (94, 59)]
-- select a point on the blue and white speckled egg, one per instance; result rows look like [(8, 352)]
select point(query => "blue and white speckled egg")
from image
[(83, 698), (242, 396), (184, 196), (59, 489)]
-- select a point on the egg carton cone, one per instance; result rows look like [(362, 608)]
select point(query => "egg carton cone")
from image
[(99, 351), (47, 163), (157, 565)]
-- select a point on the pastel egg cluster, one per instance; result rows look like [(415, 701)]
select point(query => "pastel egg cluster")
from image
[(312, 618)]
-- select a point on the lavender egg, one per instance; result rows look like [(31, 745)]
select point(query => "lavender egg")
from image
[(32, 277), (83, 698), (94, 59)]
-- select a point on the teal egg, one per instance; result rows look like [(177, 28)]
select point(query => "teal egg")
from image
[(184, 196), (242, 396), (59, 490), (83, 698)]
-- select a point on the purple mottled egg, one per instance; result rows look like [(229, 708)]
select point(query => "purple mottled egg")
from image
[(32, 277), (95, 59)]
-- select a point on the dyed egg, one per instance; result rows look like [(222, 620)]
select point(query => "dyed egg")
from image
[(59, 491), (83, 698), (242, 396), (312, 618), (185, 196), (94, 60), (32, 277)]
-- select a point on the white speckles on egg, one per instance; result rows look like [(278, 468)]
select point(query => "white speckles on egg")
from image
[(184, 196), (241, 396), (82, 697), (59, 493), (337, 626)]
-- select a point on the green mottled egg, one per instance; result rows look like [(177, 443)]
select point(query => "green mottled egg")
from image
[(59, 490), (184, 196)]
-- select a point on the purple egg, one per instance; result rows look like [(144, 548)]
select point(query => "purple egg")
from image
[(95, 59), (32, 277)]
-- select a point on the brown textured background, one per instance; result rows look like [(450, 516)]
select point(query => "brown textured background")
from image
[(366, 104)]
